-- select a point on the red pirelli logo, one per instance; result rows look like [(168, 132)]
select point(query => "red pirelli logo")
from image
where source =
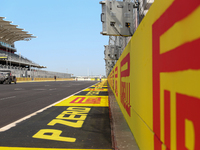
[(183, 57), (116, 76), (85, 100), (125, 86)]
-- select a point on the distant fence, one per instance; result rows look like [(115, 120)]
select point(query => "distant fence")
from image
[(44, 79), (59, 79), (52, 79), (34, 73)]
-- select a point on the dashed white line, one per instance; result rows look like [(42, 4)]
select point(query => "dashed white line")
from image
[(52, 89), (7, 98), (17, 89), (39, 89)]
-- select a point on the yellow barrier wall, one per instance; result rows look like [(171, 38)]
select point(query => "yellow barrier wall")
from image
[(156, 80), (52, 79), (23, 79)]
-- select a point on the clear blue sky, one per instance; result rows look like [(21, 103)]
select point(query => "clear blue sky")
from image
[(68, 33)]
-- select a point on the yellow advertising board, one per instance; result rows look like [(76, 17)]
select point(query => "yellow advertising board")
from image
[(155, 81)]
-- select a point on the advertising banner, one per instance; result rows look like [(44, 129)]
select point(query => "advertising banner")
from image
[(156, 81)]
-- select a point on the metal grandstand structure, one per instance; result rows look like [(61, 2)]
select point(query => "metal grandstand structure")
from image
[(19, 65), (120, 42)]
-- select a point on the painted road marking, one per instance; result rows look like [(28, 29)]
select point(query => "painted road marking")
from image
[(93, 93), (22, 148), (67, 118), (95, 89), (100, 87), (7, 98), (18, 89), (33, 114), (93, 101), (66, 127), (39, 89), (58, 127), (52, 89)]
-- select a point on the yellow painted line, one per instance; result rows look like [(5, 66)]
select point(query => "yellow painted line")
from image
[(101, 83), (26, 148), (96, 86), (95, 89), (92, 101)]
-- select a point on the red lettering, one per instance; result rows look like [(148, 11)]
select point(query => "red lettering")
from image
[(93, 100), (124, 86), (167, 121), (111, 79), (183, 57), (187, 108), (78, 100), (116, 76), (90, 100), (126, 73)]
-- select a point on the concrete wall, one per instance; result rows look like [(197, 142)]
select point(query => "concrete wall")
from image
[(156, 81)]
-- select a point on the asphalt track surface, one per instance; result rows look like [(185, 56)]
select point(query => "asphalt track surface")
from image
[(21, 99), (80, 121)]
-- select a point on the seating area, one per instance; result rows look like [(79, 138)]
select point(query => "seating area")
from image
[(16, 58), (20, 67)]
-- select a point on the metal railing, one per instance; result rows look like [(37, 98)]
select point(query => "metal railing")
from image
[(16, 58), (33, 73)]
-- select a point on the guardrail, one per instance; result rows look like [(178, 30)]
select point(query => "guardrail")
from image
[(45, 79), (52, 79)]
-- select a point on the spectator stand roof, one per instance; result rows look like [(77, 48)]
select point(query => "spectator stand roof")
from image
[(10, 33)]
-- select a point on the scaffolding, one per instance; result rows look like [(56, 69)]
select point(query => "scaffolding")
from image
[(120, 42)]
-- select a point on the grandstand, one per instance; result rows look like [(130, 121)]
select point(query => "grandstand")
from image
[(19, 65)]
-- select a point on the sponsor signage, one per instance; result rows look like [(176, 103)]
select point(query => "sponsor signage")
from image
[(156, 80)]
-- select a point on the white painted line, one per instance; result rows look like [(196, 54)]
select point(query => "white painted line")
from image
[(52, 89), (39, 89), (18, 89), (7, 98), (13, 124)]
